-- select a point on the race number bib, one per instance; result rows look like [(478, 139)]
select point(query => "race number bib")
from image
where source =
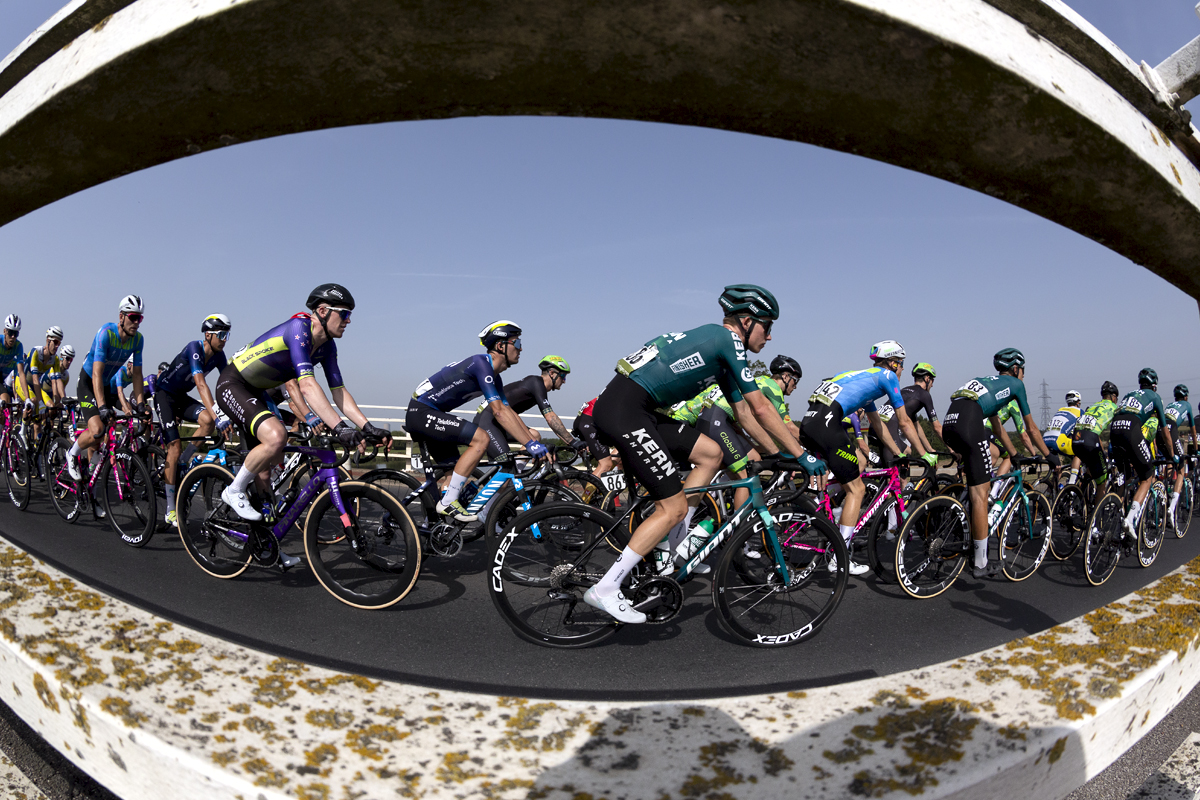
[(1132, 403), (973, 390), (826, 393), (422, 388), (613, 481), (1088, 421), (886, 412), (637, 360), (1056, 424)]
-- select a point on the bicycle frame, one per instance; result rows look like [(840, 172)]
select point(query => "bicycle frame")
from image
[(894, 488)]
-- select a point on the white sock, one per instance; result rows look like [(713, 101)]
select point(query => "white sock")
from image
[(980, 553), (1174, 500), (847, 532), (96, 456), (74, 451), (892, 520), (676, 536), (1134, 508), (610, 584), (242, 481), (454, 489), (837, 514), (687, 518), (997, 488)]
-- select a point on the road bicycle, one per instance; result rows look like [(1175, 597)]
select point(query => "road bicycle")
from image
[(1107, 541), (15, 455)]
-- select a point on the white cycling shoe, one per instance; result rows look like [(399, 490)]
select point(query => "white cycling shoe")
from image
[(854, 567), (615, 606), (73, 468), (240, 504)]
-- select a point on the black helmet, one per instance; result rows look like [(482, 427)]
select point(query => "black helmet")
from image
[(331, 294), (746, 298), (782, 364), (1181, 392), (163, 365), (502, 330), (1147, 377), (1008, 358), (1109, 388)]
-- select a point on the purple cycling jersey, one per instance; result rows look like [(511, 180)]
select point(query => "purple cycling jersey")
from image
[(455, 384), (285, 352)]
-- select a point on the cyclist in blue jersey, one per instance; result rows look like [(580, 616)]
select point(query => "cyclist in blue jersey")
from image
[(1178, 414), (12, 360), (1059, 436), (289, 351), (429, 419), (822, 432), (114, 344), (1129, 445)]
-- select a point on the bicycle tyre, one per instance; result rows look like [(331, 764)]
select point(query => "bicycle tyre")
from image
[(1068, 521), (932, 547), (504, 508), (1152, 525), (1025, 536), (390, 563), (1183, 509), (751, 601), (17, 474), (207, 526), (64, 491), (881, 551), (127, 496), (1102, 544), (535, 584)]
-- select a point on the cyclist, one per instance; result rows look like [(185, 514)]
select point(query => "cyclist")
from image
[(1058, 436), (289, 351), (1180, 413), (173, 400), (43, 363), (12, 361), (60, 377), (1086, 444), (821, 429), (916, 399), (584, 429), (630, 415), (115, 343), (999, 453), (429, 418), (1129, 443), (965, 434), (522, 396)]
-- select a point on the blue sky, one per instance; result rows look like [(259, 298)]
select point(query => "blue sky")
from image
[(596, 235)]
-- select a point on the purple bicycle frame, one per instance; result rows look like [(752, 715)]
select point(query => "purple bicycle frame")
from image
[(326, 474)]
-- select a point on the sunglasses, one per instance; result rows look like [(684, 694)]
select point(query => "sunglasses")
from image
[(135, 317), (345, 312), (222, 335), (517, 344)]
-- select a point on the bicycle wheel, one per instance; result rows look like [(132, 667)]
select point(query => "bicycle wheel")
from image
[(1102, 544), (1025, 536), (538, 574), (753, 601), (1152, 526), (506, 505), (375, 559), (63, 489), (1183, 510), (933, 546), (881, 545), (212, 533), (1068, 521), (587, 487), (127, 496), (17, 472)]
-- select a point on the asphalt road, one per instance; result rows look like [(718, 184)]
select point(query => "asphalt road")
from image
[(447, 634)]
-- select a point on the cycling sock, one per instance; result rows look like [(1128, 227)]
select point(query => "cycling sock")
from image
[(170, 497), (847, 532), (980, 552), (1134, 508), (242, 481), (676, 536), (1174, 500), (95, 459), (892, 521), (454, 489), (74, 451), (610, 584)]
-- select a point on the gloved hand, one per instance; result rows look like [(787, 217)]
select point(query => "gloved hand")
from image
[(536, 449), (312, 419), (812, 465), (140, 409), (223, 423), (106, 414), (375, 434), (930, 459), (28, 404), (1053, 459), (347, 434), (580, 447)]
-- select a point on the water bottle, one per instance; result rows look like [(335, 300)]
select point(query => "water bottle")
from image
[(661, 558), (695, 540), (994, 513)]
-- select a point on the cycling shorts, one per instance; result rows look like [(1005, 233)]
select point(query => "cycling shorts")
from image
[(964, 432), (585, 428), (716, 425), (87, 398), (246, 406), (1130, 447), (1090, 451), (651, 444), (442, 432), (498, 438), (1176, 440), (821, 431), (1060, 443), (174, 409)]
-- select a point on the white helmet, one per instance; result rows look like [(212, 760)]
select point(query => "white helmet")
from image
[(130, 303), (1074, 397), (12, 323), (54, 332), (888, 348), (66, 351)]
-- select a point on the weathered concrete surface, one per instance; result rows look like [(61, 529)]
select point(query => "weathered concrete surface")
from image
[(953, 88)]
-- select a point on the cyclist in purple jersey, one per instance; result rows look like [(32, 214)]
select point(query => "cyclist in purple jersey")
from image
[(289, 352), (428, 418)]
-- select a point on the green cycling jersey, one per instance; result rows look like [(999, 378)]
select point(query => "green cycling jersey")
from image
[(675, 366), (1097, 417), (993, 392), (689, 410), (1008, 411), (1144, 403), (1180, 413)]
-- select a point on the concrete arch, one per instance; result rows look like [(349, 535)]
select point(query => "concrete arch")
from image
[(957, 89)]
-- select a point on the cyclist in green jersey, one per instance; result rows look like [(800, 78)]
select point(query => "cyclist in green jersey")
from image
[(1178, 414), (1002, 457), (1129, 444), (1086, 444)]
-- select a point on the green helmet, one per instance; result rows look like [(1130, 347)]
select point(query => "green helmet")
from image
[(558, 362), (923, 368), (1181, 392), (743, 298), (1008, 358), (1147, 377)]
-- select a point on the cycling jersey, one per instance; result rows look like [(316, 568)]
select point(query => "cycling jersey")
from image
[(285, 353), (1009, 410), (690, 410), (586, 408), (42, 365), (10, 356), (1062, 423), (1180, 413), (178, 378), (109, 350), (675, 366), (917, 398), (522, 396), (455, 384), (1097, 417), (993, 392), (1143, 404), (858, 389)]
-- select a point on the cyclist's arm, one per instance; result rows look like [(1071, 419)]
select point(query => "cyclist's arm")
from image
[(138, 384), (761, 421), (124, 402), (510, 421), (205, 395), (1031, 430), (34, 388), (295, 399), (885, 436), (315, 398), (924, 439), (98, 382), (557, 426)]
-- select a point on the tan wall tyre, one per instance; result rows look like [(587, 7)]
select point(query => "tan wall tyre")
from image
[(212, 533), (933, 547), (64, 492), (1102, 543), (299, 480), (127, 497), (17, 469), (377, 560), (1068, 520), (881, 545), (1025, 536), (1183, 509), (1152, 525)]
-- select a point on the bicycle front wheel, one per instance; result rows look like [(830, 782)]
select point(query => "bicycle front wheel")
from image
[(881, 545), (212, 532), (753, 600), (1152, 526), (1102, 543), (64, 491), (933, 546), (128, 498), (17, 470), (538, 572), (370, 557), (1025, 536), (1068, 521), (1183, 509)]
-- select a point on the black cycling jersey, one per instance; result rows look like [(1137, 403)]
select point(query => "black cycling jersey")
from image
[(522, 396), (917, 398)]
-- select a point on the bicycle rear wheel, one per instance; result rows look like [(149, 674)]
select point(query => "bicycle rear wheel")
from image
[(375, 560), (212, 533), (933, 546), (1152, 526), (1025, 536), (128, 498), (62, 487), (17, 472), (1183, 509), (537, 576), (753, 602), (1068, 521), (881, 546), (1102, 544)]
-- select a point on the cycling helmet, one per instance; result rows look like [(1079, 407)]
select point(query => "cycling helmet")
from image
[(499, 331), (66, 352), (886, 350), (558, 362), (1147, 377), (54, 332), (12, 323), (130, 303), (1109, 388), (1181, 392), (1008, 358), (746, 298), (782, 364), (923, 368), (1074, 397), (163, 365), (215, 322), (331, 294)]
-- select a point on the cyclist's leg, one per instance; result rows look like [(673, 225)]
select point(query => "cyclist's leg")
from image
[(964, 433), (1177, 443), (1089, 451), (165, 407), (437, 426), (734, 452)]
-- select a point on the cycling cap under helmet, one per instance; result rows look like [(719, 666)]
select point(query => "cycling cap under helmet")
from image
[(1181, 392), (66, 352), (1008, 358), (1074, 397), (12, 323), (130, 303), (924, 368), (782, 364), (746, 298), (558, 362), (1109, 388), (887, 349), (331, 294), (54, 332), (499, 331), (215, 322), (1147, 377)]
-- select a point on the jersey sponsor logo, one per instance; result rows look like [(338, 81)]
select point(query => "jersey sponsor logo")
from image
[(747, 376), (694, 361), (488, 379), (196, 356), (1003, 393)]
